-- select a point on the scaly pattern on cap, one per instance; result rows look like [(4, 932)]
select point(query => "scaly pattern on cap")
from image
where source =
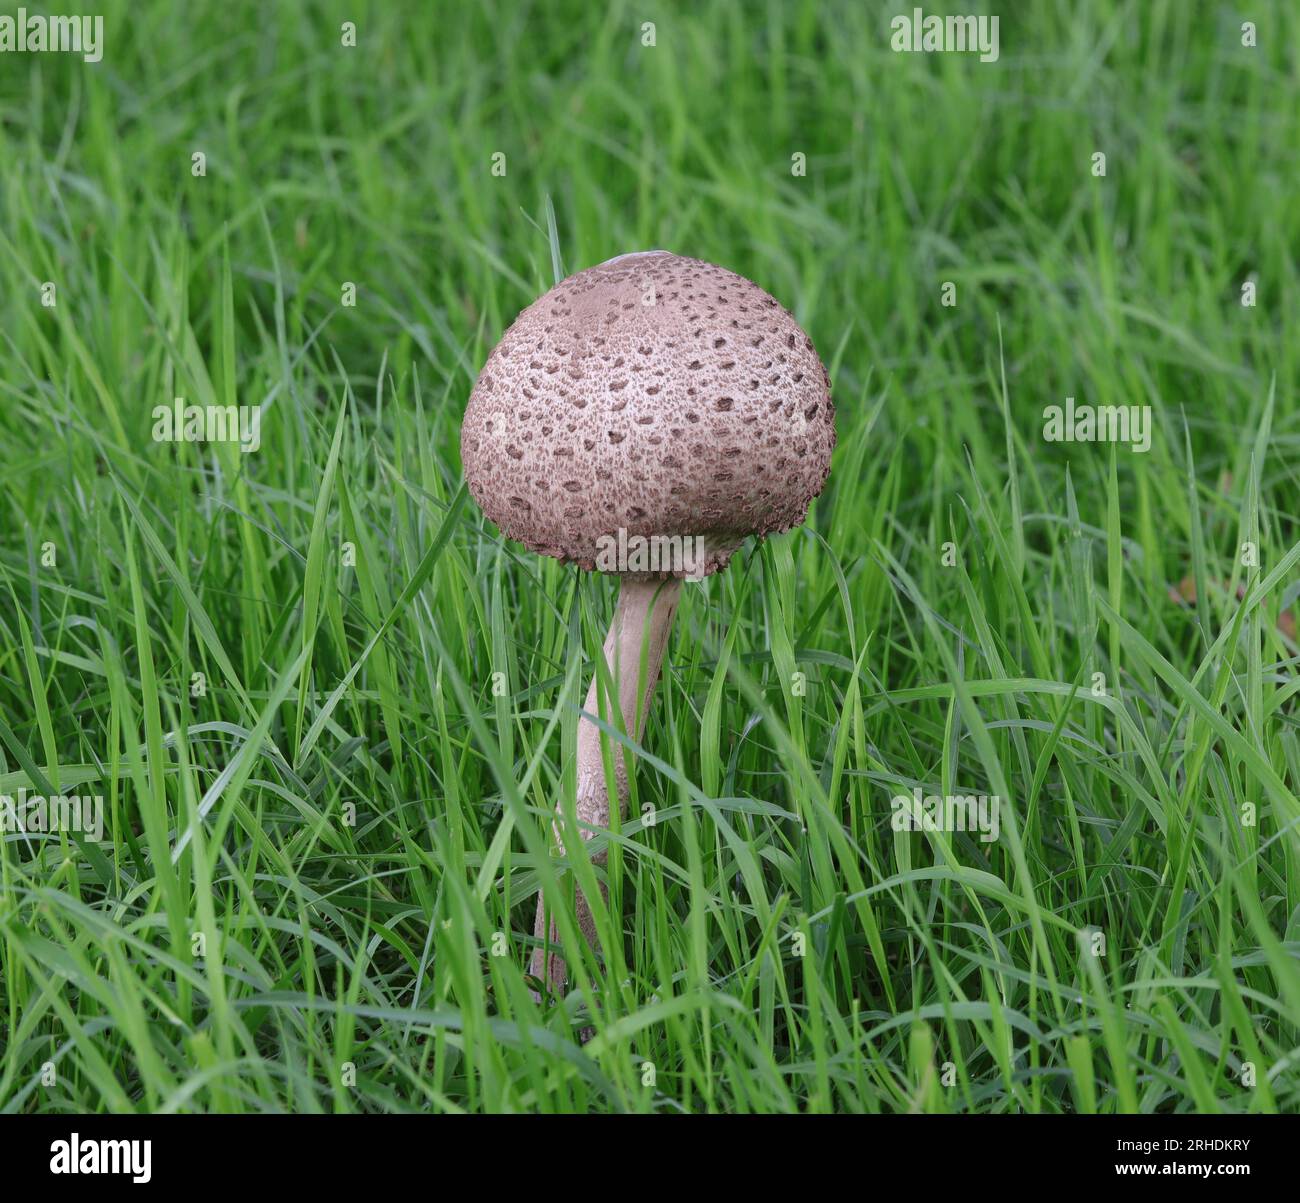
[(662, 395)]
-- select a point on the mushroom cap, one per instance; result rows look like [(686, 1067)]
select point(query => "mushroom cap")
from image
[(656, 396)]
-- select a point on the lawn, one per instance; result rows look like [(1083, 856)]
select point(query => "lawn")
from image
[(327, 709)]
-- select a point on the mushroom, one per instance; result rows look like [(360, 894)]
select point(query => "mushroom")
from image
[(642, 418)]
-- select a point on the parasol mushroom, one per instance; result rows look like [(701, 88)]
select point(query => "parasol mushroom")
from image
[(650, 404)]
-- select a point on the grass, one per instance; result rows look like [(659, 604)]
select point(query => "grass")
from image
[(329, 709)]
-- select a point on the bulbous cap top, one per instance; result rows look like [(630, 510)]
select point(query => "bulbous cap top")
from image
[(650, 396)]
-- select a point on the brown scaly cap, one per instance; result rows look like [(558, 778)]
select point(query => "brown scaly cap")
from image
[(658, 394)]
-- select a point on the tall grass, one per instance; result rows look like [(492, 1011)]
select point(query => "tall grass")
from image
[(329, 710)]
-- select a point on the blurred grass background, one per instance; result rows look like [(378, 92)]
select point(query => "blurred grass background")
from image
[(317, 887)]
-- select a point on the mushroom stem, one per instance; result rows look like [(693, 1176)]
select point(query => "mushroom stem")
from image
[(642, 618)]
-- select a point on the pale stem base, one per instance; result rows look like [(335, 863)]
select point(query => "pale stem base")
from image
[(643, 617)]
